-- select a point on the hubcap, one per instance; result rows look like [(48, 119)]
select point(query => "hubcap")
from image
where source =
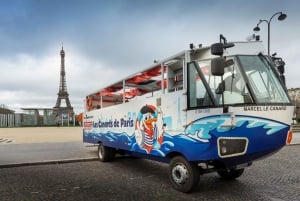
[(180, 174)]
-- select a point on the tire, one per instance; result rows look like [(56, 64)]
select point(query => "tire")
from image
[(105, 154), (184, 175), (231, 173)]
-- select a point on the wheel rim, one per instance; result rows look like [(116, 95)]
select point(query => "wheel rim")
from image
[(100, 152), (180, 174)]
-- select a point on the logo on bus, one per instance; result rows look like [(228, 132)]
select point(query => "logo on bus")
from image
[(87, 125), (87, 117), (149, 128)]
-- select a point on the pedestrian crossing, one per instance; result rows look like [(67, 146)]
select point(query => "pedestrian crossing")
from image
[(6, 141)]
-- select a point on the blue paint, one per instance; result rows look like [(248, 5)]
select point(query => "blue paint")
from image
[(199, 141)]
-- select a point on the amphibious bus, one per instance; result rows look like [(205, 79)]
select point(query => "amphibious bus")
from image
[(206, 109)]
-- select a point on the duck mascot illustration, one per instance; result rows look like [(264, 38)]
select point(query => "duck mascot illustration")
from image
[(149, 128)]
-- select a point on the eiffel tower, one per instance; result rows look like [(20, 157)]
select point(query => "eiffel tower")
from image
[(59, 110)]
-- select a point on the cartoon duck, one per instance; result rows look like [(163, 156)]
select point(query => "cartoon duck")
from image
[(147, 133)]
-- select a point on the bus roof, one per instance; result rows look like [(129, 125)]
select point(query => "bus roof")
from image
[(150, 78)]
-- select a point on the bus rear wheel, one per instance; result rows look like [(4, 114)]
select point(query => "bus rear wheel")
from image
[(184, 175), (105, 153), (231, 174)]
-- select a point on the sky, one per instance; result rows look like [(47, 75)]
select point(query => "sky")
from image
[(105, 41)]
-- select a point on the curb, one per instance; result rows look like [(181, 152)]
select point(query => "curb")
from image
[(50, 162), (293, 144)]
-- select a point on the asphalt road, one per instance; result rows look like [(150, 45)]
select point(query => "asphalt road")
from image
[(276, 178)]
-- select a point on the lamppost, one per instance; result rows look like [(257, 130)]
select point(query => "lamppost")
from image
[(281, 17)]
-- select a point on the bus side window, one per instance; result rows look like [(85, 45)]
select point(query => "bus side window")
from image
[(175, 74), (171, 79), (197, 94)]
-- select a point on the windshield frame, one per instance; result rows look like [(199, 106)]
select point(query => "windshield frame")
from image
[(274, 78), (246, 83)]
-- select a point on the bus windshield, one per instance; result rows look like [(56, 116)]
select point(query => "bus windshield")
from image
[(248, 79), (263, 80)]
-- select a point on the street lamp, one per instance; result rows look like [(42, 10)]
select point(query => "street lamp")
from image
[(281, 17)]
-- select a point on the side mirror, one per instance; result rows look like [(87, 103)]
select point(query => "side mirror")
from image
[(217, 49), (282, 78), (217, 66), (279, 63), (280, 69)]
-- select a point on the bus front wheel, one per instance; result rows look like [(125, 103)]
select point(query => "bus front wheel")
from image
[(184, 175), (105, 153)]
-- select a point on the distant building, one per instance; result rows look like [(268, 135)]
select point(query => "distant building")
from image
[(36, 117), (7, 117), (60, 114), (294, 94)]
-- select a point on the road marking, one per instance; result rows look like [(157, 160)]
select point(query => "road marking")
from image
[(5, 141)]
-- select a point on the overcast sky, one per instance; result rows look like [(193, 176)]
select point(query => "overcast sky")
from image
[(105, 41)]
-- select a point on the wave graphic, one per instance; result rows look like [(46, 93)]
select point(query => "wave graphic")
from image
[(200, 137), (201, 128)]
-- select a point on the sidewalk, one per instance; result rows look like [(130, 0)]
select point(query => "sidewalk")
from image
[(296, 138), (43, 145), (40, 134)]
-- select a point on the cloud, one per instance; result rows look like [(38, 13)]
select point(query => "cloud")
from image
[(105, 41)]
